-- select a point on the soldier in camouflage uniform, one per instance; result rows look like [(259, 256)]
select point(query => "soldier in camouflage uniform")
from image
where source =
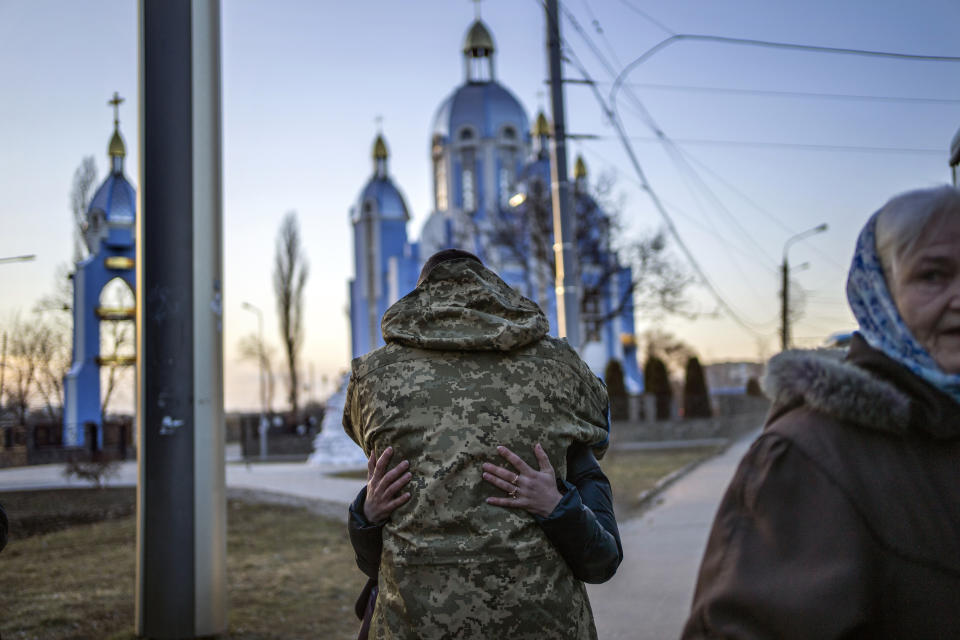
[(468, 366)]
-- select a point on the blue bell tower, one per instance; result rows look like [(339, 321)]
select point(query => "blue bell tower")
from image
[(109, 235), (385, 263)]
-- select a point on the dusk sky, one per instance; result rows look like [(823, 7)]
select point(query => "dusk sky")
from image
[(774, 141)]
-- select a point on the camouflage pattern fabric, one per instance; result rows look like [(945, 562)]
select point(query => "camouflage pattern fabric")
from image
[(468, 366)]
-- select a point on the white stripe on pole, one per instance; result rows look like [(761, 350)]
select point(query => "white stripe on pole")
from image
[(210, 516)]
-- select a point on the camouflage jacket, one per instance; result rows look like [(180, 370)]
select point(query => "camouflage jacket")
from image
[(468, 365)]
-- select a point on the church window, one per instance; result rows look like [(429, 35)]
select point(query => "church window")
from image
[(591, 318), (506, 176), (468, 177), (439, 174), (440, 177)]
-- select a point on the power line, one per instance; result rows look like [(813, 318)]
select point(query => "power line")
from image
[(647, 16), (770, 45), (764, 211), (645, 185), (714, 233), (675, 153), (789, 94), (671, 227), (603, 36), (789, 145)]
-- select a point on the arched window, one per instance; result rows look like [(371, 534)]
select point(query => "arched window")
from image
[(507, 161), (468, 170), (116, 307), (439, 174), (468, 183)]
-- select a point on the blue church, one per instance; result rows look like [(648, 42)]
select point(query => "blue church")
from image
[(491, 178), (109, 235)]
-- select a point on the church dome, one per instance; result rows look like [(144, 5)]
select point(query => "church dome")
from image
[(115, 200), (380, 197), (116, 148), (380, 149), (484, 107), (478, 41)]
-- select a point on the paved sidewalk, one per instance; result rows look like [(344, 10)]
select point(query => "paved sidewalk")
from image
[(649, 598), (290, 478)]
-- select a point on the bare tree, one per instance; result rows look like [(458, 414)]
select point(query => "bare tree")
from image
[(53, 362), (22, 358), (81, 192), (290, 271), (251, 348), (525, 238)]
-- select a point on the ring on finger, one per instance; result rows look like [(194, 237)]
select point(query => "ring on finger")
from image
[(515, 478), (515, 493)]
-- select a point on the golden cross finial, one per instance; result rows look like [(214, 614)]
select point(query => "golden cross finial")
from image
[(379, 121), (115, 102), (476, 8), (540, 95)]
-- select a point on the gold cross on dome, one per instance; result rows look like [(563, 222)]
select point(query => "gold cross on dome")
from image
[(115, 102), (476, 8)]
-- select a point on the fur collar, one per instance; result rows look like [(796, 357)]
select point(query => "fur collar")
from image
[(823, 381)]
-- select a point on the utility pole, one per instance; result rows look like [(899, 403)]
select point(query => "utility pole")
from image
[(784, 304), (955, 157), (785, 284), (564, 232), (181, 577)]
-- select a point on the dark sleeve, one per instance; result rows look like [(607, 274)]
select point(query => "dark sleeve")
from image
[(4, 527), (366, 538), (788, 556), (583, 527)]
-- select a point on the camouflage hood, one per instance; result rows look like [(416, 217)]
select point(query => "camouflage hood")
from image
[(462, 306)]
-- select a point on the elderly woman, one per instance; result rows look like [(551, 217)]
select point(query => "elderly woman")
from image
[(843, 519)]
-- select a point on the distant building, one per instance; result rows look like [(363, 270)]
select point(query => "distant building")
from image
[(488, 166), (731, 377)]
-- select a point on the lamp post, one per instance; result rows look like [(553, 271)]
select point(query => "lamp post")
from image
[(785, 285), (264, 425), (26, 258), (955, 156)]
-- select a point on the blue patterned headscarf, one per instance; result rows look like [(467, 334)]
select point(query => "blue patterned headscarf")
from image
[(880, 321)]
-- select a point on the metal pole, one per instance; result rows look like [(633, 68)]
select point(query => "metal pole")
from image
[(785, 285), (567, 276), (954, 156), (181, 489), (785, 305)]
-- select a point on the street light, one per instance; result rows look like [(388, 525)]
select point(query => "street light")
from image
[(785, 287), (955, 156), (26, 258), (264, 425)]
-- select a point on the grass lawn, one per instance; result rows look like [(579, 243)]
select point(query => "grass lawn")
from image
[(633, 472), (290, 573), (68, 571)]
